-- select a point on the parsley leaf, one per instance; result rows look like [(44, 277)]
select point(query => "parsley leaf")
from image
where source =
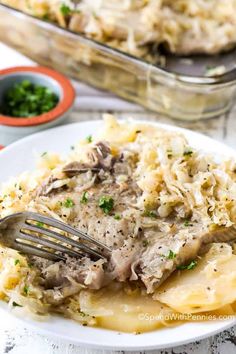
[(65, 10), (17, 261), (171, 255), (69, 203), (187, 223), (83, 314), (106, 204), (189, 266), (84, 198), (188, 153), (89, 138), (117, 217), (150, 214), (169, 153), (145, 243), (15, 304), (40, 224), (26, 290)]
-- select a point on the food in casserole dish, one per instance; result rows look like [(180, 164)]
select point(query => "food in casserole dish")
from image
[(140, 27), (166, 210)]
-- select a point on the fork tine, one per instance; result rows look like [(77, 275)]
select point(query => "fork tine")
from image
[(35, 251), (59, 237), (48, 243), (64, 227)]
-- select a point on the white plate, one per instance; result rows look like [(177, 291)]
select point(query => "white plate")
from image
[(19, 157)]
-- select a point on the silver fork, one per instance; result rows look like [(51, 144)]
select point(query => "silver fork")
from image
[(30, 233)]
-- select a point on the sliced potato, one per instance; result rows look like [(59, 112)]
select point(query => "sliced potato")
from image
[(124, 311), (209, 286)]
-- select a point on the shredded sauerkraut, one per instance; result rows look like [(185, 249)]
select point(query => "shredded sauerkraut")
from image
[(139, 27)]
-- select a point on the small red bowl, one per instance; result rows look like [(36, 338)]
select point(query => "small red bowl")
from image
[(43, 76)]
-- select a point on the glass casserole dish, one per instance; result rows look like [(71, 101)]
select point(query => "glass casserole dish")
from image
[(170, 90)]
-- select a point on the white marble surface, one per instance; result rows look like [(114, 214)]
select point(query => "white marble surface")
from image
[(15, 338)]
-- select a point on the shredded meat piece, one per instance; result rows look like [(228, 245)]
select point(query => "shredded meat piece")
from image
[(99, 158)]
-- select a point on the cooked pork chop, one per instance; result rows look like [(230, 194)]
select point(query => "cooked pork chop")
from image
[(145, 247), (167, 251)]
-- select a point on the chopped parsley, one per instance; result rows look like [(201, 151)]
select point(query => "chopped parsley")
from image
[(69, 203), (89, 138), (44, 154), (84, 198), (26, 99), (169, 154), (15, 304), (40, 224), (150, 214), (45, 17), (106, 203), (171, 255), (117, 217), (26, 290), (189, 266), (65, 10), (188, 152), (17, 261), (187, 223), (83, 314), (145, 243)]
